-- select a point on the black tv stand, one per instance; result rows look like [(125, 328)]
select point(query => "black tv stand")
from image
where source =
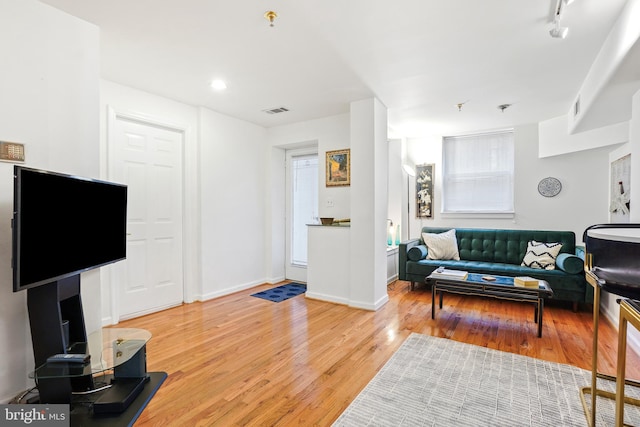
[(57, 324), (83, 413), (119, 396), (119, 356)]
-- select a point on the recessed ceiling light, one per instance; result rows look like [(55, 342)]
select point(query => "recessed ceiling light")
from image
[(218, 85)]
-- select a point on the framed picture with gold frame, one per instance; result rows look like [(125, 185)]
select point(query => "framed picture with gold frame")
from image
[(338, 168)]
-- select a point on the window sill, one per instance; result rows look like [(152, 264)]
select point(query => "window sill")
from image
[(485, 215)]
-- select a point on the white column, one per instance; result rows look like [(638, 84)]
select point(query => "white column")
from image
[(396, 191), (634, 141), (369, 175)]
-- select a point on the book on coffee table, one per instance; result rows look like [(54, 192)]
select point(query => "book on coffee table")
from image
[(526, 281), (445, 273)]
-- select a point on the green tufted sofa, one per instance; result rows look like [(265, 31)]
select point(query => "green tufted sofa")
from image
[(500, 252)]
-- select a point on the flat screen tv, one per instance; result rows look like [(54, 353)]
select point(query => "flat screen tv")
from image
[(64, 225)]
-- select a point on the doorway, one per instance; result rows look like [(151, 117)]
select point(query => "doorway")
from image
[(301, 208), (147, 157)]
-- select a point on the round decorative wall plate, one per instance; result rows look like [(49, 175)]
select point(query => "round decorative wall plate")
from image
[(549, 187)]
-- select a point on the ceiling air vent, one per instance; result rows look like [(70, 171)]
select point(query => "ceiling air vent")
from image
[(276, 110)]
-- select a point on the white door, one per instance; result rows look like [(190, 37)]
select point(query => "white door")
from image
[(148, 159), (302, 209)]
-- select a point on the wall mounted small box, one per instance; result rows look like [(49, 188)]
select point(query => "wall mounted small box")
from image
[(11, 151)]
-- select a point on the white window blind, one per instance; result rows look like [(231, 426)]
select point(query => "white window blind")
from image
[(478, 173)]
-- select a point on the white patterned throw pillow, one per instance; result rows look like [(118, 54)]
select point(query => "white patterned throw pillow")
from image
[(442, 245), (541, 255)]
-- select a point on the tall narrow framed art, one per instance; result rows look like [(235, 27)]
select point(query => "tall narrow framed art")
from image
[(424, 190)]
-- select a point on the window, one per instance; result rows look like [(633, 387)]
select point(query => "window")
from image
[(304, 204), (478, 173)]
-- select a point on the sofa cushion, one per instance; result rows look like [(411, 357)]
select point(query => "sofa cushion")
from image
[(541, 255), (441, 245), (505, 246), (417, 253), (570, 263)]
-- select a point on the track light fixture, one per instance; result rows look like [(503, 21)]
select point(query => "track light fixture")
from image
[(558, 32), (560, 5)]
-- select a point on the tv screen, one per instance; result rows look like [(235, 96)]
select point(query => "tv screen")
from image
[(64, 225)]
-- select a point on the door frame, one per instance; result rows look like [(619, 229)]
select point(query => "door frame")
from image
[(289, 154), (190, 202)]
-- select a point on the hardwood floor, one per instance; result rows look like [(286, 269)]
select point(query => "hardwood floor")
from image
[(243, 361)]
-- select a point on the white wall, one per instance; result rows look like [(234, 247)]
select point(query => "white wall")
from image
[(233, 162), (582, 201), (554, 138), (49, 101)]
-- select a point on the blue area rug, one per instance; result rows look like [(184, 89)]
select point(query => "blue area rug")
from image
[(283, 292)]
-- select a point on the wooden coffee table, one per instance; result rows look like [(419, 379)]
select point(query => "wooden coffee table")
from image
[(501, 288)]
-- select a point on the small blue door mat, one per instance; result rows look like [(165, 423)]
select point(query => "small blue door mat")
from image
[(282, 293)]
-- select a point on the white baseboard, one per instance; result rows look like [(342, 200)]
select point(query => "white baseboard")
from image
[(228, 291), (275, 280), (371, 307), (632, 339), (345, 301), (327, 298)]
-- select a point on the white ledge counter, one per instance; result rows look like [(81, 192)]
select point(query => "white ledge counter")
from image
[(328, 266)]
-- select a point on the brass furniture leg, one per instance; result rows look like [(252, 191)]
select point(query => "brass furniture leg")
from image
[(591, 414), (593, 389), (628, 313)]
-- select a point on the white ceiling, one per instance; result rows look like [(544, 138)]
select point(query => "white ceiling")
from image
[(419, 57)]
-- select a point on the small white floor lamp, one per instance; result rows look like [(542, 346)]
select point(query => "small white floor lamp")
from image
[(410, 172)]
